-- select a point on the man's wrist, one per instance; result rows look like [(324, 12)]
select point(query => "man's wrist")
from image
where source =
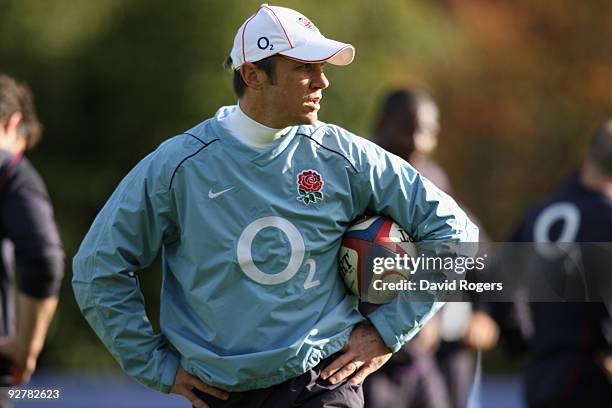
[(374, 330), (385, 331)]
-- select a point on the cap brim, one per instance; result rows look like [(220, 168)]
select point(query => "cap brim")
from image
[(322, 50)]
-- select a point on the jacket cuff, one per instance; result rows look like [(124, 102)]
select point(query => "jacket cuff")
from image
[(385, 330), (171, 365)]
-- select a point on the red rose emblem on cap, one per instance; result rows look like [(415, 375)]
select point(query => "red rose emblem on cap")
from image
[(307, 23), (309, 185)]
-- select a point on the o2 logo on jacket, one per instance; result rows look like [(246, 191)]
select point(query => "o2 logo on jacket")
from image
[(566, 212), (297, 250)]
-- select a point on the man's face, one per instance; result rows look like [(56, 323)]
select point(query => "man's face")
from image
[(412, 131), (10, 138), (426, 137), (397, 136), (294, 95)]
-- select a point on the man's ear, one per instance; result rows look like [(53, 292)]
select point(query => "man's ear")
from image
[(9, 126), (252, 76)]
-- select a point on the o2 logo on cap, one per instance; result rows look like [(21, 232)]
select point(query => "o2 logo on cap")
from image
[(264, 44)]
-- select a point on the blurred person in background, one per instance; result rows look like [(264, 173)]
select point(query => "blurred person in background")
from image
[(569, 345), (436, 369), (30, 241)]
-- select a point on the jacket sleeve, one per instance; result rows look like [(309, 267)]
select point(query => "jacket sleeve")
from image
[(124, 238), (391, 187)]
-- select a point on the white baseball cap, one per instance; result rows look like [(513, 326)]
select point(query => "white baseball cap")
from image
[(280, 30)]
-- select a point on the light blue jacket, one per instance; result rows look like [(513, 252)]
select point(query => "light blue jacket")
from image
[(251, 295)]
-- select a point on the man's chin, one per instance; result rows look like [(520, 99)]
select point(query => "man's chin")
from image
[(310, 118), (307, 119)]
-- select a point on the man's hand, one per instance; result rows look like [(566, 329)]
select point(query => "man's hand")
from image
[(483, 332), (606, 362), (33, 318), (185, 382), (364, 353), (24, 363)]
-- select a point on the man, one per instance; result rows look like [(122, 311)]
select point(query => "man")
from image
[(249, 208), (408, 125), (436, 369), (29, 238), (570, 344)]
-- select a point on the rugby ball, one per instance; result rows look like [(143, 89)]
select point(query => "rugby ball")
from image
[(364, 260)]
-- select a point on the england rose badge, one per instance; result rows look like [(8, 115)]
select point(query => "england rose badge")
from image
[(309, 186)]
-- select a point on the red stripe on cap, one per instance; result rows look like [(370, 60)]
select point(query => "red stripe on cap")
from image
[(319, 60), (243, 30), (281, 24)]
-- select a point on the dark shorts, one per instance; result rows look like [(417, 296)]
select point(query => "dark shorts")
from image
[(306, 391), (402, 384)]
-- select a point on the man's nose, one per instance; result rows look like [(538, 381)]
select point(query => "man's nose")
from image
[(319, 80)]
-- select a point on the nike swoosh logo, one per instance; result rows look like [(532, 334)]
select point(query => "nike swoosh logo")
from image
[(212, 195)]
